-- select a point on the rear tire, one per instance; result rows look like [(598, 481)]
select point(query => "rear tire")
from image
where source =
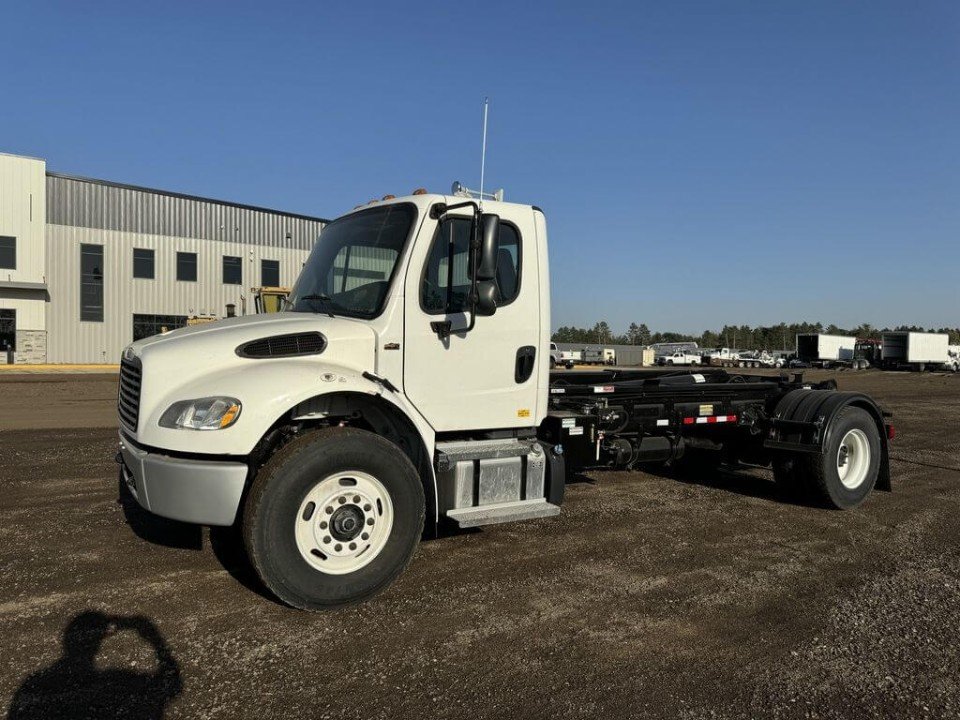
[(333, 518), (846, 471)]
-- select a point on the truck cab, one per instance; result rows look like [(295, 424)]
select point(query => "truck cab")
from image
[(418, 324)]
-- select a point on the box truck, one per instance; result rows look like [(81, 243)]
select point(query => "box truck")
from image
[(917, 350), (820, 350)]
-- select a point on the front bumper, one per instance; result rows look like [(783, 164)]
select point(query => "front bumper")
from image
[(196, 491)]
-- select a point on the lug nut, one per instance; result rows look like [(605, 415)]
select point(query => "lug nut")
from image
[(338, 547), (364, 536), (328, 510), (367, 507), (353, 546), (323, 525), (341, 500), (369, 521), (356, 499), (326, 538)]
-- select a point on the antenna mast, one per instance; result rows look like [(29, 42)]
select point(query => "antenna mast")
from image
[(483, 152)]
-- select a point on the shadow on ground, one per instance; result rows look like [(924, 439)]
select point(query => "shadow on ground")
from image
[(76, 687)]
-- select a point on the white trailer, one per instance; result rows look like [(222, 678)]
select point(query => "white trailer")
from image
[(920, 350), (825, 350)]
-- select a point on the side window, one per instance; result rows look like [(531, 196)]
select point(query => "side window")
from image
[(446, 277)]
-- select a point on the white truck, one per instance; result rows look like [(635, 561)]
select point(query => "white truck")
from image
[(821, 350), (680, 357), (569, 358), (918, 350), (722, 357), (554, 355), (599, 356), (759, 359), (402, 387)]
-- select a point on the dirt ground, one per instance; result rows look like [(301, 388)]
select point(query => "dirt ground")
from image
[(647, 597)]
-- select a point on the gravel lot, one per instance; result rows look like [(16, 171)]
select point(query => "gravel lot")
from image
[(647, 597)]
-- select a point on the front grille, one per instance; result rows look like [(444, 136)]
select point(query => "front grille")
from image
[(310, 343), (128, 401)]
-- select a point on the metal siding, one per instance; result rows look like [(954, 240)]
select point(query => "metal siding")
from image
[(120, 219), (71, 341), (81, 203)]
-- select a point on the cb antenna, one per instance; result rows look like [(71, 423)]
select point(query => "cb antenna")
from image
[(483, 151)]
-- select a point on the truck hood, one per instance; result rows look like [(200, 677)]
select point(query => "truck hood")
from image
[(202, 361), (216, 342)]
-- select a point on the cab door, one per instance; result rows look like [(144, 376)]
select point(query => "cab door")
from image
[(486, 378)]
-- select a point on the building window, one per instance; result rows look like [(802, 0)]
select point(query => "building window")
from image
[(232, 270), (270, 273), (91, 283), (8, 252), (8, 331), (143, 263), (187, 266), (147, 325)]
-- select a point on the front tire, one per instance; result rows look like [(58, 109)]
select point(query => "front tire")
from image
[(333, 518)]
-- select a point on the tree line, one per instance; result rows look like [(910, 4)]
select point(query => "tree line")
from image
[(741, 337)]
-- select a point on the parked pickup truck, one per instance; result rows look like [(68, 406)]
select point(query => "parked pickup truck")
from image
[(405, 384), (680, 357)]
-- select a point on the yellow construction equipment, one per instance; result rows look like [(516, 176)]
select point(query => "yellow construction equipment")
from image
[(269, 299)]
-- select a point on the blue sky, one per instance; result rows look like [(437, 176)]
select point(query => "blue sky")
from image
[(699, 163)]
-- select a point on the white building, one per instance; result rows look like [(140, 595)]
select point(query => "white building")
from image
[(87, 266)]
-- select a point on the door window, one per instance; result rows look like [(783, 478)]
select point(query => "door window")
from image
[(446, 279)]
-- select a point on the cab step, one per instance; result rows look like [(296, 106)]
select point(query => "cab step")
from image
[(503, 512)]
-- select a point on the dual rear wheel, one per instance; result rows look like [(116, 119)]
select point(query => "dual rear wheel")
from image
[(844, 473)]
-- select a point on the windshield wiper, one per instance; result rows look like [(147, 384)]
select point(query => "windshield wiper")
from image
[(324, 298)]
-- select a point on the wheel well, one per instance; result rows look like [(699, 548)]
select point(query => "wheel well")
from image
[(368, 412)]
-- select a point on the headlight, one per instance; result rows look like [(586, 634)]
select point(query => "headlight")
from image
[(212, 413)]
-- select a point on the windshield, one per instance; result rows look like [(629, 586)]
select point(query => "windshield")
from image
[(349, 270)]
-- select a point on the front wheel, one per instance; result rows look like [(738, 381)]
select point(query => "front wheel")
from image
[(333, 518)]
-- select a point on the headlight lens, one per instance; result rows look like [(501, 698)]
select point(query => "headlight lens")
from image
[(212, 413)]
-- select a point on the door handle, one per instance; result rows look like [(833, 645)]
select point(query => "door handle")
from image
[(526, 359)]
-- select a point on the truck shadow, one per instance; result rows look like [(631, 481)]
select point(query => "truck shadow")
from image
[(225, 542), (155, 529), (77, 686), (736, 479)]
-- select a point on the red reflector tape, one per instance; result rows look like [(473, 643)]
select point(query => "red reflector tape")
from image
[(710, 420), (891, 432)]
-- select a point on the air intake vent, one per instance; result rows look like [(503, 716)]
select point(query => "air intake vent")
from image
[(296, 344)]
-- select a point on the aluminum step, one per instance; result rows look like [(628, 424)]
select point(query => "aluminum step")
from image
[(503, 512), (450, 453)]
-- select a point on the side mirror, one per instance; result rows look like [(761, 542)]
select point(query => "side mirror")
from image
[(489, 247), (487, 295)]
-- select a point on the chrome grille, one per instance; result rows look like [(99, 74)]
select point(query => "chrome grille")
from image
[(128, 400)]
